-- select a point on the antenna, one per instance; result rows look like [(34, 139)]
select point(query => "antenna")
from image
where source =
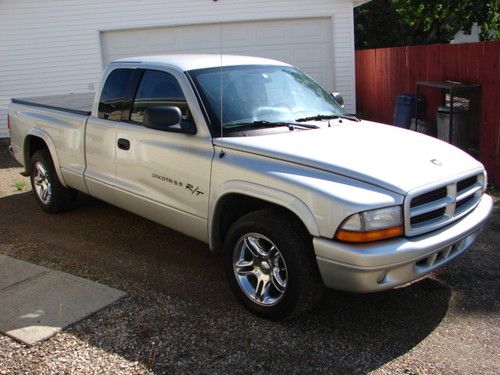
[(221, 87)]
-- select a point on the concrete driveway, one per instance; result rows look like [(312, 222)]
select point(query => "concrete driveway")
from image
[(37, 302), (181, 317)]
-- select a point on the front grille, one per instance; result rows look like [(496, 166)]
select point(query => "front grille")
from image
[(431, 208), (464, 202), (466, 183), (427, 216), (431, 196)]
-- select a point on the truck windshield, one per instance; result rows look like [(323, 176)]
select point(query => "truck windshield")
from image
[(254, 94)]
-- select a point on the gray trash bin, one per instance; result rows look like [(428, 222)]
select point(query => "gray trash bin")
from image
[(461, 123)]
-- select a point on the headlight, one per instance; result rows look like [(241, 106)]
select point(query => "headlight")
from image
[(372, 225)]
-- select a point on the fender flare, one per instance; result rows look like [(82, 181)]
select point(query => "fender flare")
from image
[(264, 193), (44, 136)]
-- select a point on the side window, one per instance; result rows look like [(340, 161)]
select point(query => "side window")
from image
[(113, 94), (157, 88)]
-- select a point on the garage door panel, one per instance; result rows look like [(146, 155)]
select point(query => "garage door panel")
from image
[(305, 43), (269, 52), (198, 35), (240, 31), (157, 37), (317, 31), (265, 33), (273, 33), (316, 56)]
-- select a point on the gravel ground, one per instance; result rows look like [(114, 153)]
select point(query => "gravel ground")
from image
[(181, 318)]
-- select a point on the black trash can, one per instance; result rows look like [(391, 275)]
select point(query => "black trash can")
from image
[(406, 107)]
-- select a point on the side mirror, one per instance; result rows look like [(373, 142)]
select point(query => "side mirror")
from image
[(338, 98), (167, 118)]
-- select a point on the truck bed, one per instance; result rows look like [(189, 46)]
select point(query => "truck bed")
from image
[(80, 104)]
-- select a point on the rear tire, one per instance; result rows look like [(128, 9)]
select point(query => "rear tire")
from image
[(270, 265), (50, 194)]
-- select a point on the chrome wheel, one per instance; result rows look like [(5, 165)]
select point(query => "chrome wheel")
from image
[(260, 269), (41, 183)]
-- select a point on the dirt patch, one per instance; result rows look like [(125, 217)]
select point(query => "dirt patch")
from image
[(11, 182)]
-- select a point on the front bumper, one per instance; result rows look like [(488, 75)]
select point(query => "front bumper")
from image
[(387, 264)]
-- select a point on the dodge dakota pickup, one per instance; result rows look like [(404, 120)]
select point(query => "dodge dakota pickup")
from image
[(254, 158)]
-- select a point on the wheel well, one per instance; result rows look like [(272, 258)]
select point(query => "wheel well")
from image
[(233, 206), (31, 145)]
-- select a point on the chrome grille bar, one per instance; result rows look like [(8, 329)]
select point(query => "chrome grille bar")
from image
[(428, 207), (434, 206)]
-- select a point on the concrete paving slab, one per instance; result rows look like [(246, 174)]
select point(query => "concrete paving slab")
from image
[(14, 271), (37, 307)]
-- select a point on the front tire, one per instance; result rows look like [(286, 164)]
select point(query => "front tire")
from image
[(270, 265), (50, 194)]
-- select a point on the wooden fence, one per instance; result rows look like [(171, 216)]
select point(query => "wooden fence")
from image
[(383, 74)]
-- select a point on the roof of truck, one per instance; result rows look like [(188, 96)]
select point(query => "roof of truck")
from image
[(190, 62)]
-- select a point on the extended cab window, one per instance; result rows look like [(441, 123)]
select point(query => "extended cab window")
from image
[(113, 94), (157, 88)]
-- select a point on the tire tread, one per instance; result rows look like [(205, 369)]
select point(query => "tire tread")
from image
[(282, 223)]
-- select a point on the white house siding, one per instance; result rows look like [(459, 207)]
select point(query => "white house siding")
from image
[(54, 46)]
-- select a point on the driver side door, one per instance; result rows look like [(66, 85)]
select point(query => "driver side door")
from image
[(160, 174)]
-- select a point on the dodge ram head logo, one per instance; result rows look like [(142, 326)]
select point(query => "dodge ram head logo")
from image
[(436, 162)]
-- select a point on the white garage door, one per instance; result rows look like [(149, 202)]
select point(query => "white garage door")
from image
[(305, 43)]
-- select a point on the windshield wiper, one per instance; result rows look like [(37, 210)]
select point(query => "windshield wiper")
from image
[(350, 117), (267, 124), (327, 117)]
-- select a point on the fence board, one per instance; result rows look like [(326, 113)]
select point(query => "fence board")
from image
[(383, 74)]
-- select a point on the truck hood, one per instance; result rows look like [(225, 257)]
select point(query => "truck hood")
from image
[(392, 158)]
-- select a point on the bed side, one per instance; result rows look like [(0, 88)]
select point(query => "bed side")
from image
[(60, 129)]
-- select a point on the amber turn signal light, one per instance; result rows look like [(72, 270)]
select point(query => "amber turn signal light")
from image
[(375, 235)]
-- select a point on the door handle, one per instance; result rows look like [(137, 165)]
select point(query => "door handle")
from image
[(123, 143)]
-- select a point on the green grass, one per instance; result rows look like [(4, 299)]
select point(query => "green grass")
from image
[(19, 185)]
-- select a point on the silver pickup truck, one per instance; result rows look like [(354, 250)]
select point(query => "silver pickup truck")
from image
[(254, 158)]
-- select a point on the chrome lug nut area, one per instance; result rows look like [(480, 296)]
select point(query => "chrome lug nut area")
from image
[(43, 187), (260, 269)]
